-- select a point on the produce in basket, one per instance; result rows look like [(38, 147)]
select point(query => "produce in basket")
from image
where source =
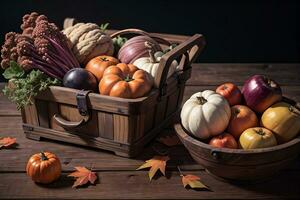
[(260, 92), (41, 46), (44, 167), (151, 63), (257, 137), (205, 114), (135, 48), (98, 64), (224, 140), (241, 119), (80, 79), (231, 93), (87, 41), (283, 119), (126, 81), (34, 59)]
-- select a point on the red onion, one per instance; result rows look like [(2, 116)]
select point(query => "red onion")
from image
[(135, 48), (260, 92)]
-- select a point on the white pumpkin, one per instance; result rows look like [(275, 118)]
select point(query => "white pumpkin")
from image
[(150, 64), (205, 114)]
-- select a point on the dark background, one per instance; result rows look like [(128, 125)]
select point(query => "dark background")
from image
[(236, 31)]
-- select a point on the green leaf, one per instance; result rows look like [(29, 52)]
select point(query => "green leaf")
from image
[(21, 91), (14, 71), (103, 27)]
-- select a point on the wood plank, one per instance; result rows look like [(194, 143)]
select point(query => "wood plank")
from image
[(105, 125), (215, 74), (42, 111), (123, 128), (136, 185)]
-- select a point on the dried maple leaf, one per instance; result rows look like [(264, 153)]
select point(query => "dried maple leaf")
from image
[(157, 162), (83, 176), (192, 181), (7, 142), (170, 141)]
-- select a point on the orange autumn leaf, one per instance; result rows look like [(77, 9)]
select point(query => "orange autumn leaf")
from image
[(156, 163), (170, 141), (83, 176), (192, 181), (7, 142)]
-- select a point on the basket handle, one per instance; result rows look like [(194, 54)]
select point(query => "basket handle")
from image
[(82, 98), (140, 32), (193, 46), (69, 22), (68, 124)]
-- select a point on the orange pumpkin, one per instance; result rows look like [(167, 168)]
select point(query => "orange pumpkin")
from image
[(98, 65), (43, 167), (242, 118), (126, 81)]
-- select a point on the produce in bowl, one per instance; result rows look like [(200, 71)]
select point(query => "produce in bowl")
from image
[(231, 93), (98, 64), (80, 79), (150, 64), (241, 119), (126, 81), (258, 137), (283, 119), (260, 92), (224, 140), (205, 114), (43, 167)]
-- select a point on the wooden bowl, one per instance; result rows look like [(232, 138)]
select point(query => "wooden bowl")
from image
[(238, 164)]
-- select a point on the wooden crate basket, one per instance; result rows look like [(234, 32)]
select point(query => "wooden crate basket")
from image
[(120, 125)]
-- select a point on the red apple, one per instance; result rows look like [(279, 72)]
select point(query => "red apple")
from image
[(224, 140), (231, 93)]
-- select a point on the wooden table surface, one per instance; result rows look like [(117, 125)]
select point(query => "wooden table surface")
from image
[(118, 176)]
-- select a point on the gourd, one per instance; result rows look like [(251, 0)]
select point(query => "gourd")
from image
[(87, 41), (44, 167), (135, 48), (150, 64), (205, 114), (125, 81)]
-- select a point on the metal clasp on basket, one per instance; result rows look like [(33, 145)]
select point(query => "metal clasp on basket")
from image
[(81, 98)]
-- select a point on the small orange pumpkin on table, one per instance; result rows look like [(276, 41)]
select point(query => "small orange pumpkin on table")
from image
[(125, 81), (99, 64), (44, 167)]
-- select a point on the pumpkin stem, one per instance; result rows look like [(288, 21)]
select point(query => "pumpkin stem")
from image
[(201, 100), (150, 46), (104, 59), (260, 132), (43, 156), (128, 78)]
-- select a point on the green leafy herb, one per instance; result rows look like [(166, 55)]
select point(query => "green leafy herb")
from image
[(119, 42), (103, 27), (21, 91), (13, 71)]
